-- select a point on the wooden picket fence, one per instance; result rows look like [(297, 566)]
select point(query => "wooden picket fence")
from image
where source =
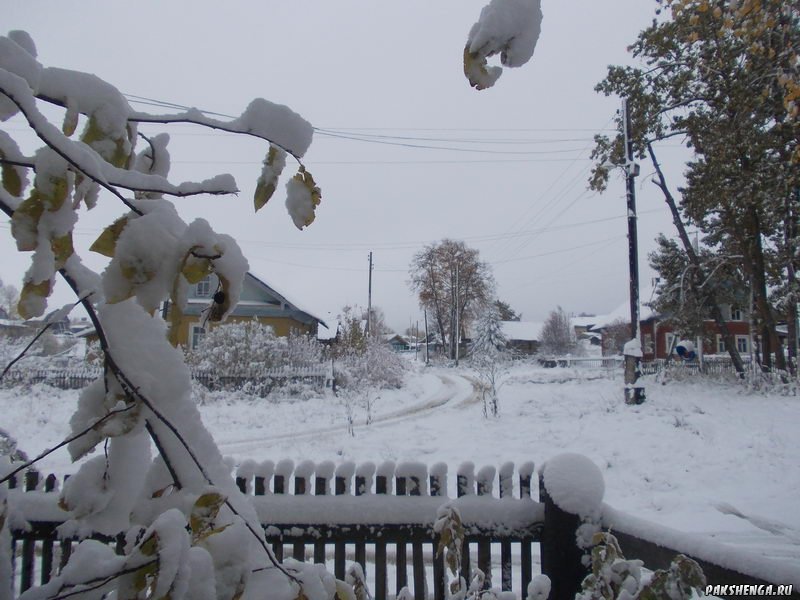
[(383, 518), (257, 382)]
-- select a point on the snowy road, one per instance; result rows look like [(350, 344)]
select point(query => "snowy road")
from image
[(453, 390)]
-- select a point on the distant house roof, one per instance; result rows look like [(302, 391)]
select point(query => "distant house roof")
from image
[(623, 311), (528, 331), (282, 297), (263, 298)]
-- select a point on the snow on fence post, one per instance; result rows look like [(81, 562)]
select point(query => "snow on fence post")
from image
[(342, 487), (323, 475), (383, 478), (28, 544), (465, 479), (571, 488), (363, 485), (263, 474), (506, 491), (244, 476), (302, 477), (364, 476), (438, 479), (414, 477), (485, 486)]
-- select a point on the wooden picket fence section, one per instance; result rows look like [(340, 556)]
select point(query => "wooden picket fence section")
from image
[(382, 518), (257, 382), (410, 486), (393, 554)]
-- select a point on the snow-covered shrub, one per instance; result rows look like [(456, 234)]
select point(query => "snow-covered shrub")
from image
[(614, 577), (379, 367), (257, 360)]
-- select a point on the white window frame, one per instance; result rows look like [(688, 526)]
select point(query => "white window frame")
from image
[(203, 287), (668, 338), (743, 344), (721, 348), (736, 314), (196, 335)]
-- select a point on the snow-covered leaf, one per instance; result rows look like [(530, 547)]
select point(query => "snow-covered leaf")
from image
[(268, 180), (33, 298), (106, 243), (25, 222), (204, 514), (302, 198), (509, 28)]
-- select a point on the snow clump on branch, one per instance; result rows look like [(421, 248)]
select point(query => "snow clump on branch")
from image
[(509, 28)]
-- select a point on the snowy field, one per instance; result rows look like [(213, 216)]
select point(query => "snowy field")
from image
[(710, 458)]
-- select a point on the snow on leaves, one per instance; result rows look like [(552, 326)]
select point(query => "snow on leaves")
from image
[(268, 180), (509, 28), (302, 198)]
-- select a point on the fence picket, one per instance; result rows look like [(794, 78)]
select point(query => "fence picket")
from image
[(412, 541)]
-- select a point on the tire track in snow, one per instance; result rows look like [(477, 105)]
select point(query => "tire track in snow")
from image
[(451, 392)]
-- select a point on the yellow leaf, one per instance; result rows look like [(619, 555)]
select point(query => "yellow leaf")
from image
[(149, 546), (344, 591), (196, 269), (62, 249), (268, 180), (12, 182), (30, 298), (116, 151), (58, 193), (25, 222), (476, 72), (205, 510), (106, 244), (70, 122)]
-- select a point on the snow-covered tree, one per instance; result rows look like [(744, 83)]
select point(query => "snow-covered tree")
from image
[(490, 357), (558, 335), (9, 296), (190, 532)]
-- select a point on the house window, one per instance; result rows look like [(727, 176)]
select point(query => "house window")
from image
[(197, 335), (203, 288), (743, 344), (736, 314), (721, 345), (668, 342), (648, 343)]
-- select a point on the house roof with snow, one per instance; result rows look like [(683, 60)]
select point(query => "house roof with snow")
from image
[(623, 311), (528, 331), (258, 298)]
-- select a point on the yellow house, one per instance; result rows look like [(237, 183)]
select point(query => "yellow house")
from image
[(258, 300)]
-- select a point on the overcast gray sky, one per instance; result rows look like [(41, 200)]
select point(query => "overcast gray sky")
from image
[(508, 177)]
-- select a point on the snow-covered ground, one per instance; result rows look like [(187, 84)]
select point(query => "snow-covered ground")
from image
[(705, 457)]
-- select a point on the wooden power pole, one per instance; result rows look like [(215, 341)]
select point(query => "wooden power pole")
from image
[(634, 392)]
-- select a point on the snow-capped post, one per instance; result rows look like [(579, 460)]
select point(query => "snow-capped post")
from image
[(634, 394), (571, 487)]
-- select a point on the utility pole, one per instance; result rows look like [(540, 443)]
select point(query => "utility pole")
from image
[(634, 394), (427, 352), (369, 297), (458, 325)]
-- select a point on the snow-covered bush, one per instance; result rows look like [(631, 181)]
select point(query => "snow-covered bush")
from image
[(251, 356), (614, 577)]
